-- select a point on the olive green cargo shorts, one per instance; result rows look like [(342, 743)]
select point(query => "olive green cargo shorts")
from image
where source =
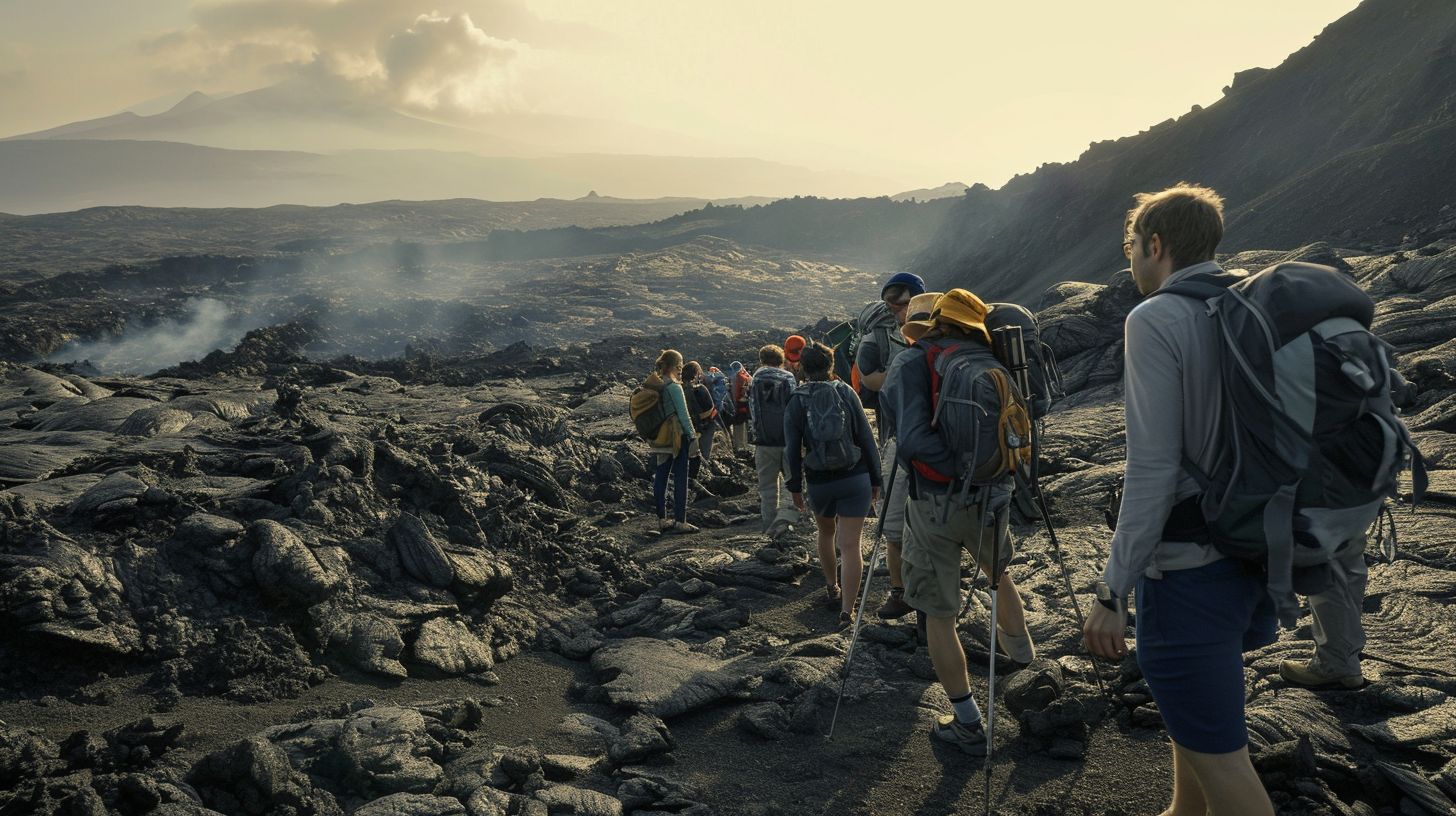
[(932, 551)]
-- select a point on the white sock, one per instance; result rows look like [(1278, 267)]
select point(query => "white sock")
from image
[(966, 710)]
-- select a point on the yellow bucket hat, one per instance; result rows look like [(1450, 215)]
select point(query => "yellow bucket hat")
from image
[(918, 316), (959, 307)]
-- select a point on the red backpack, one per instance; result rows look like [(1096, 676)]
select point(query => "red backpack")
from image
[(740, 387)]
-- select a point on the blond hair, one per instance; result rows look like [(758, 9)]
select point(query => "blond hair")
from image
[(668, 361)]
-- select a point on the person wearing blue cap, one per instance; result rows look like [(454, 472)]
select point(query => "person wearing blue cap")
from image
[(881, 341)]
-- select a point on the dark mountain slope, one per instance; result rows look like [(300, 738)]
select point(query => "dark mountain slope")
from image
[(871, 231), (1347, 140)]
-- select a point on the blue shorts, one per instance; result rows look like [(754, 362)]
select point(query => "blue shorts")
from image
[(1193, 627), (848, 497)]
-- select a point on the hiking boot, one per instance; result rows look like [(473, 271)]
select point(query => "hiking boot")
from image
[(846, 621), (971, 739), (1303, 673), (1017, 647), (778, 531), (893, 607)]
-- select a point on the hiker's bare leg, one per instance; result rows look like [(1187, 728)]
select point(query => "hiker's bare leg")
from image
[(826, 527), (851, 559), (947, 656), (1228, 782), (892, 559), (1010, 613), (1188, 799)]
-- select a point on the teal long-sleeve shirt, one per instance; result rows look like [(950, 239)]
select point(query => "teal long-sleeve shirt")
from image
[(673, 392)]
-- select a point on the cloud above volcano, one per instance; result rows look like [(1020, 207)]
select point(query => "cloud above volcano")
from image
[(454, 60)]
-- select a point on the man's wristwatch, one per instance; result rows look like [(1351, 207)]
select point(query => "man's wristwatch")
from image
[(1106, 598)]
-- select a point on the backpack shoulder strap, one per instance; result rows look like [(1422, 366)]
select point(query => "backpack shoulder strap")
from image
[(932, 356), (1201, 287)]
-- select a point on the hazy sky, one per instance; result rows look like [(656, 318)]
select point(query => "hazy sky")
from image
[(918, 92)]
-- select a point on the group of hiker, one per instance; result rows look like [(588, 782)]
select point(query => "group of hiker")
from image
[(1256, 459)]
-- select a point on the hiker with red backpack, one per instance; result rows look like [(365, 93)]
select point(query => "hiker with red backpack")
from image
[(735, 412), (831, 450), (962, 430), (661, 403), (1261, 443)]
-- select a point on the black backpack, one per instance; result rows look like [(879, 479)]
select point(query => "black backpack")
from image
[(1041, 363), (829, 442), (844, 339), (770, 397), (1311, 442)]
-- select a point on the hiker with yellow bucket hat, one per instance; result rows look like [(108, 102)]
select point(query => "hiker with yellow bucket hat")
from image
[(962, 429)]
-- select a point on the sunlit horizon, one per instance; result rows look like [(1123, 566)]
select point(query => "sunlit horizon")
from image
[(928, 94)]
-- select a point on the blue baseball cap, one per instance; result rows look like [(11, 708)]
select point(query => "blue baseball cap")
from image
[(913, 283)]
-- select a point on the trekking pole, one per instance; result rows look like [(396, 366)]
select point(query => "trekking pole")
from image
[(995, 577), (864, 595)]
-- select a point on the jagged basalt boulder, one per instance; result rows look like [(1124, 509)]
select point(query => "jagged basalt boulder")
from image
[(643, 737), (368, 641), (254, 777), (389, 750), (449, 646), (286, 567), (1034, 687), (420, 553), (154, 420)]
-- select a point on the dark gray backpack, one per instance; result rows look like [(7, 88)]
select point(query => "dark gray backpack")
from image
[(769, 393), (875, 319), (978, 414), (1041, 362), (1310, 442), (829, 443)]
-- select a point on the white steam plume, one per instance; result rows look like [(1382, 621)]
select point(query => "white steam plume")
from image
[(207, 325)]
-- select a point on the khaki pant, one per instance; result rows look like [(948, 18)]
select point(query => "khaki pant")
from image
[(932, 550), (739, 436), (899, 493), (774, 500), (1338, 633)]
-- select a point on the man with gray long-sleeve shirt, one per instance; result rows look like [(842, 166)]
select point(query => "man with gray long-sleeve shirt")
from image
[(1198, 612)]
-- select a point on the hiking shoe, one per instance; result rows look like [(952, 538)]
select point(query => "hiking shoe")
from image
[(1303, 673), (832, 595), (1017, 647), (681, 527), (971, 739), (846, 620), (893, 607)]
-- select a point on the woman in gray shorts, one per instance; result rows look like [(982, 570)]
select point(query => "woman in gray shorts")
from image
[(829, 446)]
